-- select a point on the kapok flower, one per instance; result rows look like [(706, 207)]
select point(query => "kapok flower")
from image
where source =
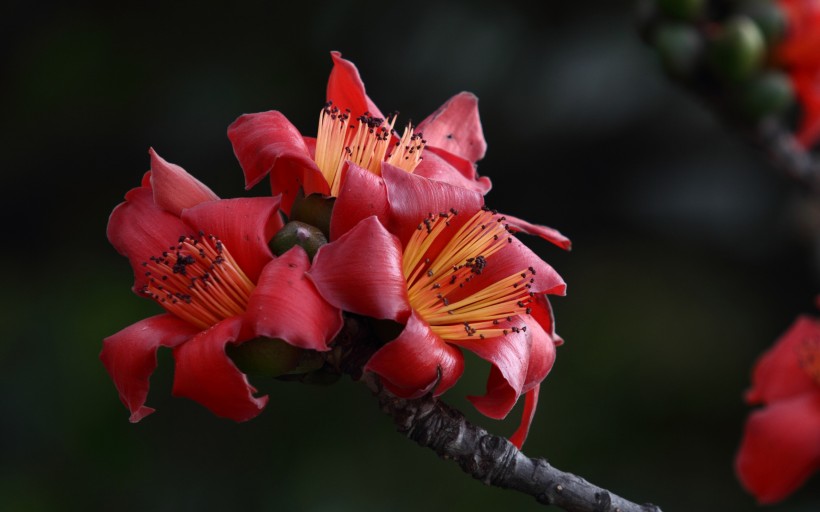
[(352, 128), (206, 261), (799, 53), (455, 279), (781, 442)]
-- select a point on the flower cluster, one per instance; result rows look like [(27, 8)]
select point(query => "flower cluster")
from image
[(756, 60), (781, 444), (408, 241)]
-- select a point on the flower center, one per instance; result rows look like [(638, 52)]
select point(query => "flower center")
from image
[(446, 280), (808, 353), (364, 142), (198, 280)]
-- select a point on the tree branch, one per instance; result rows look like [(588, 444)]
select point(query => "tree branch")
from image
[(489, 458)]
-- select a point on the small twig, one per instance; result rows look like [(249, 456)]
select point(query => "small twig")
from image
[(489, 458)]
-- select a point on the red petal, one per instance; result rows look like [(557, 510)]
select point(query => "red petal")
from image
[(267, 143), (780, 447), (362, 194), (542, 352), (346, 89), (521, 360), (464, 167), (139, 229), (412, 198), (438, 168), (417, 362), (245, 225), (361, 273), (456, 127), (206, 374), (542, 313), (778, 373), (549, 234), (530, 402), (509, 355), (175, 189), (807, 87), (130, 356), (286, 305)]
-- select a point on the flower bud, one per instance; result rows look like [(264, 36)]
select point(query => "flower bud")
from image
[(737, 52), (273, 358), (680, 48), (765, 95), (308, 237), (768, 16), (314, 209), (683, 9)]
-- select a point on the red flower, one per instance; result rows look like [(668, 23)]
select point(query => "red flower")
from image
[(781, 442), (455, 278), (354, 129), (206, 261), (799, 53)]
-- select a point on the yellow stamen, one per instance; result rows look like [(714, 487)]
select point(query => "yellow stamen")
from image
[(436, 278), (364, 143), (198, 280)]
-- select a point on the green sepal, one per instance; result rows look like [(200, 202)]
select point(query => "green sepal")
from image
[(308, 237), (273, 358), (314, 209)]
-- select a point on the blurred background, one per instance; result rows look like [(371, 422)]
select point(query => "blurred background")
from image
[(690, 256)]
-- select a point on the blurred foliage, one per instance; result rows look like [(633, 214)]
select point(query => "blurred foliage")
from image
[(686, 261)]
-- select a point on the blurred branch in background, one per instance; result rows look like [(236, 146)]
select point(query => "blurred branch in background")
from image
[(740, 59)]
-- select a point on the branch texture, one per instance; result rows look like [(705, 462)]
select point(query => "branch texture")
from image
[(489, 458)]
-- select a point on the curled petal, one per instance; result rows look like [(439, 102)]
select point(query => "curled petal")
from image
[(362, 194), (412, 198), (267, 143), (456, 128), (509, 354), (417, 362), (130, 356), (530, 403), (542, 351), (139, 229), (245, 225), (346, 89), (206, 374), (780, 447), (549, 234), (175, 189), (452, 170), (361, 272), (778, 373), (286, 305)]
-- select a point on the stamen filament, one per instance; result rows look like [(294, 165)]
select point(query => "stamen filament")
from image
[(364, 144), (198, 280), (436, 293)]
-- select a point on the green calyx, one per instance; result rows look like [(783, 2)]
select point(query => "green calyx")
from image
[(768, 94), (768, 16), (273, 358), (737, 53), (314, 209), (308, 237)]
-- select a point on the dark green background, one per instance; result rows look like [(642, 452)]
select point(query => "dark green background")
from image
[(691, 255)]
